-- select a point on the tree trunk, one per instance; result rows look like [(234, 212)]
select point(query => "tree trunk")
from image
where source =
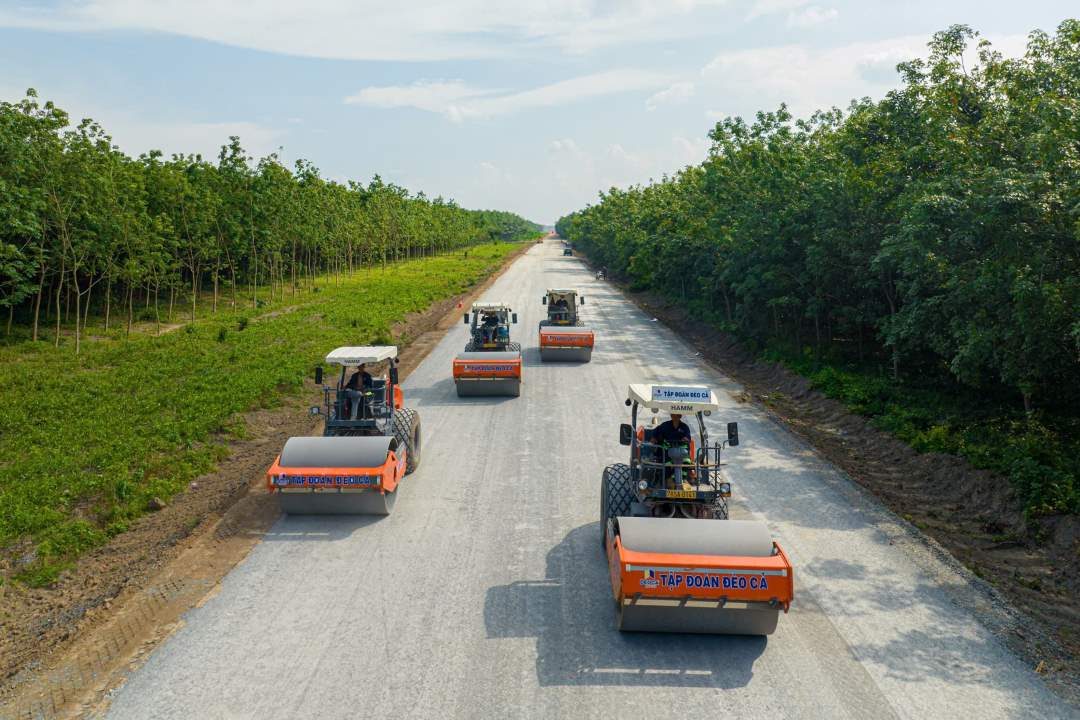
[(108, 302), (37, 300), (86, 309), (78, 300), (194, 291), (10, 318), (172, 298), (59, 291), (131, 306)]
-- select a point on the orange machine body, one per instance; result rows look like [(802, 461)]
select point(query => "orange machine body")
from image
[(566, 336), (766, 580), (509, 368), (383, 479)]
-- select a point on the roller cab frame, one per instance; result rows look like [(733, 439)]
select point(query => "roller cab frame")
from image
[(491, 364), (490, 327), (676, 562), (370, 441), (563, 337)]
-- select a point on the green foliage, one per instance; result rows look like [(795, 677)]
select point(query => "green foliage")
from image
[(933, 233), (86, 441), (82, 224)]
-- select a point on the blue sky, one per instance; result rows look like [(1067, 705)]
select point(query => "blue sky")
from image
[(533, 107)]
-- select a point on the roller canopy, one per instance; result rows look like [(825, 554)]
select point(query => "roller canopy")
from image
[(493, 306), (674, 398), (335, 452), (350, 356)]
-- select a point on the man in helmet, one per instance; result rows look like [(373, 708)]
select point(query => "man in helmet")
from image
[(669, 434)]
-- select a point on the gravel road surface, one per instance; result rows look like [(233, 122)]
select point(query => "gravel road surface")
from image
[(485, 594)]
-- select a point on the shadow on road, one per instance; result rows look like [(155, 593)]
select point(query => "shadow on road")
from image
[(571, 614)]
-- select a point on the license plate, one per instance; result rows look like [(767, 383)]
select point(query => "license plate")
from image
[(681, 494)]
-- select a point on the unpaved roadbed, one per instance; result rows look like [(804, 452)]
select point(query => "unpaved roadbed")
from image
[(486, 591)]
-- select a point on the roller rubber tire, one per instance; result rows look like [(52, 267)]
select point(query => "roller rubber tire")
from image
[(616, 494), (407, 432)]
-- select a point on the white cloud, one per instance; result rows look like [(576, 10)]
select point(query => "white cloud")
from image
[(380, 30), (806, 79), (438, 96), (492, 176), (760, 8), (459, 101), (562, 145), (811, 16), (676, 93), (690, 151), (810, 79)]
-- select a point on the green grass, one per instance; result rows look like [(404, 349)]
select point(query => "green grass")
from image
[(86, 441), (1037, 453)]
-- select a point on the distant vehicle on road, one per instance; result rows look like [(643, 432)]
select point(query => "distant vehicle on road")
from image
[(568, 251)]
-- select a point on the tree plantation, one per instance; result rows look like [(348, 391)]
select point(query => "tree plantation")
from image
[(933, 236), (85, 228)]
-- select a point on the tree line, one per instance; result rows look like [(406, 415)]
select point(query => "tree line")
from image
[(937, 229), (84, 225)]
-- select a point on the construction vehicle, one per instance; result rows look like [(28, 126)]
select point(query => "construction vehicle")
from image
[(491, 363), (677, 563), (370, 442), (562, 335)]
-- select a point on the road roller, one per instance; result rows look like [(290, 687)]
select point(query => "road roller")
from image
[(563, 337), (370, 441), (677, 562), (491, 363)]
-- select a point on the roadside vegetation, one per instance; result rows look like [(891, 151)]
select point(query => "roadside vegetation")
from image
[(86, 229), (88, 441), (147, 301), (918, 257)]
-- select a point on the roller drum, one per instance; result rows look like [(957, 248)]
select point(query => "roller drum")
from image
[(691, 536), (509, 387), (331, 502), (649, 615), (347, 453), (668, 536), (368, 451), (565, 354)]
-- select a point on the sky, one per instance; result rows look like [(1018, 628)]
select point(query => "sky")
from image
[(529, 106)]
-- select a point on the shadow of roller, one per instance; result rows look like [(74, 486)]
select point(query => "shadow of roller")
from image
[(569, 613)]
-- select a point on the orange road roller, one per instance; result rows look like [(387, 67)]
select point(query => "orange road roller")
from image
[(676, 562), (491, 364), (370, 442), (563, 337)]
